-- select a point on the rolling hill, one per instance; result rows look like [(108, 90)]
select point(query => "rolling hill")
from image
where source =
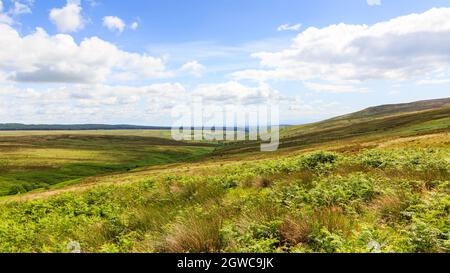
[(317, 194), (375, 122)]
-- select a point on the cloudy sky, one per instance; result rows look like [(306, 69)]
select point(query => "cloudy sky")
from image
[(109, 61)]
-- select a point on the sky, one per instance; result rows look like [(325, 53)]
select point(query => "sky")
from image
[(131, 62)]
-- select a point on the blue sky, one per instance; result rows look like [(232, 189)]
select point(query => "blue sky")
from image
[(129, 61)]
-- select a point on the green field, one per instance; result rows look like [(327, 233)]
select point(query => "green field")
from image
[(374, 181), (40, 160)]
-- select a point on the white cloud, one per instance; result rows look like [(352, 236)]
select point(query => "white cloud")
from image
[(106, 95), (334, 88), (21, 8), (68, 18), (285, 27), (91, 103), (410, 46), (114, 23), (298, 108), (100, 103), (4, 18), (374, 2), (134, 25), (93, 3), (194, 67), (235, 93), (16, 8), (39, 57), (433, 81), (148, 104)]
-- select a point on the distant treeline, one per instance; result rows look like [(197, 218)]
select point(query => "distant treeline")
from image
[(56, 127)]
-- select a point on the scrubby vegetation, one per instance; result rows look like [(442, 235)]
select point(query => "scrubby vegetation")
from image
[(373, 181), (30, 161), (377, 200)]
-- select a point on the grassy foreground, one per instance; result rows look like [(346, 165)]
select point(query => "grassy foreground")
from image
[(392, 197), (373, 181)]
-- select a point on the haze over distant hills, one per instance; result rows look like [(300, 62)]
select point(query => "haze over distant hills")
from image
[(364, 115), (380, 121)]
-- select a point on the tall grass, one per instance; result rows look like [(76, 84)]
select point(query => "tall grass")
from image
[(316, 202)]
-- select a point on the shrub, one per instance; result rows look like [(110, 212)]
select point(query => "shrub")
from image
[(342, 191), (258, 182), (4, 165), (17, 189), (315, 160), (322, 240), (375, 159), (429, 229), (262, 237), (424, 238)]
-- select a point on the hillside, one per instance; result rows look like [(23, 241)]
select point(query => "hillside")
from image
[(376, 122), (396, 109), (391, 194)]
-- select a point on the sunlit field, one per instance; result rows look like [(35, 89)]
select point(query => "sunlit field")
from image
[(393, 197), (242, 129), (357, 183), (42, 160), (350, 184)]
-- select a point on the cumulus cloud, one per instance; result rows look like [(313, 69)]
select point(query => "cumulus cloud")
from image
[(297, 107), (129, 104), (194, 67), (134, 25), (40, 57), (93, 3), (235, 93), (90, 103), (334, 88), (114, 23), (106, 95), (69, 18), (21, 8), (373, 2), (16, 8), (285, 27), (402, 48), (4, 18), (147, 104), (433, 81)]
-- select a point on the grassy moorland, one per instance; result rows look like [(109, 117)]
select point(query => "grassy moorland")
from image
[(381, 185), (42, 160), (373, 123)]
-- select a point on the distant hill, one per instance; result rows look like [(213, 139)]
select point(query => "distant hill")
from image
[(416, 117), (74, 127), (420, 117), (395, 109)]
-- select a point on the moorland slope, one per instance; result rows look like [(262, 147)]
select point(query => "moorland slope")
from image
[(345, 185)]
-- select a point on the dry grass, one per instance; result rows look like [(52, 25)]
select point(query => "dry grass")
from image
[(193, 234), (297, 229), (389, 207), (259, 182)]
